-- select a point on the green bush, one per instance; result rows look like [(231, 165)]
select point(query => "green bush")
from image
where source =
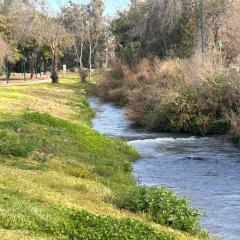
[(86, 226), (163, 207), (208, 124)]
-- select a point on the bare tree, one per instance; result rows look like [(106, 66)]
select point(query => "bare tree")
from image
[(156, 19), (167, 12), (52, 34), (74, 19), (229, 31), (23, 18), (94, 28)]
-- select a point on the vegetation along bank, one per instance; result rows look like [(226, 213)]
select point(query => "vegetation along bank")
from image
[(171, 75)]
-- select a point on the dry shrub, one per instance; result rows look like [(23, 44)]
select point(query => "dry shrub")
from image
[(234, 120), (83, 74), (192, 95), (111, 88)]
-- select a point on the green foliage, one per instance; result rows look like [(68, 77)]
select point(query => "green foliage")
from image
[(130, 53), (140, 32), (44, 119), (95, 227), (16, 143), (163, 207), (19, 212)]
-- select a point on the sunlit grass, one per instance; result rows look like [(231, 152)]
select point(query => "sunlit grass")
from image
[(66, 100)]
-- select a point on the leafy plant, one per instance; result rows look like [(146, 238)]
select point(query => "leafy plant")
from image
[(163, 207), (62, 222)]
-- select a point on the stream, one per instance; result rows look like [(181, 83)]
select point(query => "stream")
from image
[(206, 170)]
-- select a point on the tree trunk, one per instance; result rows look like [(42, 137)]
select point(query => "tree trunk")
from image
[(31, 65), (90, 62), (164, 44), (54, 72), (81, 55), (8, 70), (106, 52)]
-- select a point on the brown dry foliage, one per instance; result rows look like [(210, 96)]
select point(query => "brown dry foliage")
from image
[(193, 95)]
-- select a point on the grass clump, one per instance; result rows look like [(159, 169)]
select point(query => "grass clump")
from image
[(15, 142), (163, 207)]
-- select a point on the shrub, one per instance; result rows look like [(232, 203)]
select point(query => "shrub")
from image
[(87, 226), (234, 119), (45, 119), (111, 87), (163, 207), (79, 171), (194, 95), (83, 75)]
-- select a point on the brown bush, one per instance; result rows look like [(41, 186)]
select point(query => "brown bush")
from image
[(83, 75), (192, 95), (111, 88)]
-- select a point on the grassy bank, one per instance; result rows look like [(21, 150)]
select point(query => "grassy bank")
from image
[(58, 176)]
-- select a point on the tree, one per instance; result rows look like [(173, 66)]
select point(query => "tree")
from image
[(52, 34), (148, 28), (6, 57), (25, 14), (3, 50), (94, 28), (74, 20), (227, 32)]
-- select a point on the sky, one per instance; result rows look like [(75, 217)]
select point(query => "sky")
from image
[(110, 5)]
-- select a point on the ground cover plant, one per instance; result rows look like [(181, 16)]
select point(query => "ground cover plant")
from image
[(163, 207)]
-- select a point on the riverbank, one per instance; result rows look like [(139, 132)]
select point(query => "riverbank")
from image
[(57, 175), (176, 95)]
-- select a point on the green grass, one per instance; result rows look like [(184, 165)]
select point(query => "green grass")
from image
[(42, 138), (21, 212), (57, 175)]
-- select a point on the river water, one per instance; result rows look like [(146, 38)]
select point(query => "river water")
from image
[(206, 170)]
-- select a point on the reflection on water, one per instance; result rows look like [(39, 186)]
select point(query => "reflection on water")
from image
[(207, 170)]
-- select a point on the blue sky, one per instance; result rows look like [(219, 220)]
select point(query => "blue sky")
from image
[(111, 5)]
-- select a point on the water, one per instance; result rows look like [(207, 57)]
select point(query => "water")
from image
[(206, 170)]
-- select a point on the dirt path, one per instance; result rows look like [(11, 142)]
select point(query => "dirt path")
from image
[(28, 82)]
